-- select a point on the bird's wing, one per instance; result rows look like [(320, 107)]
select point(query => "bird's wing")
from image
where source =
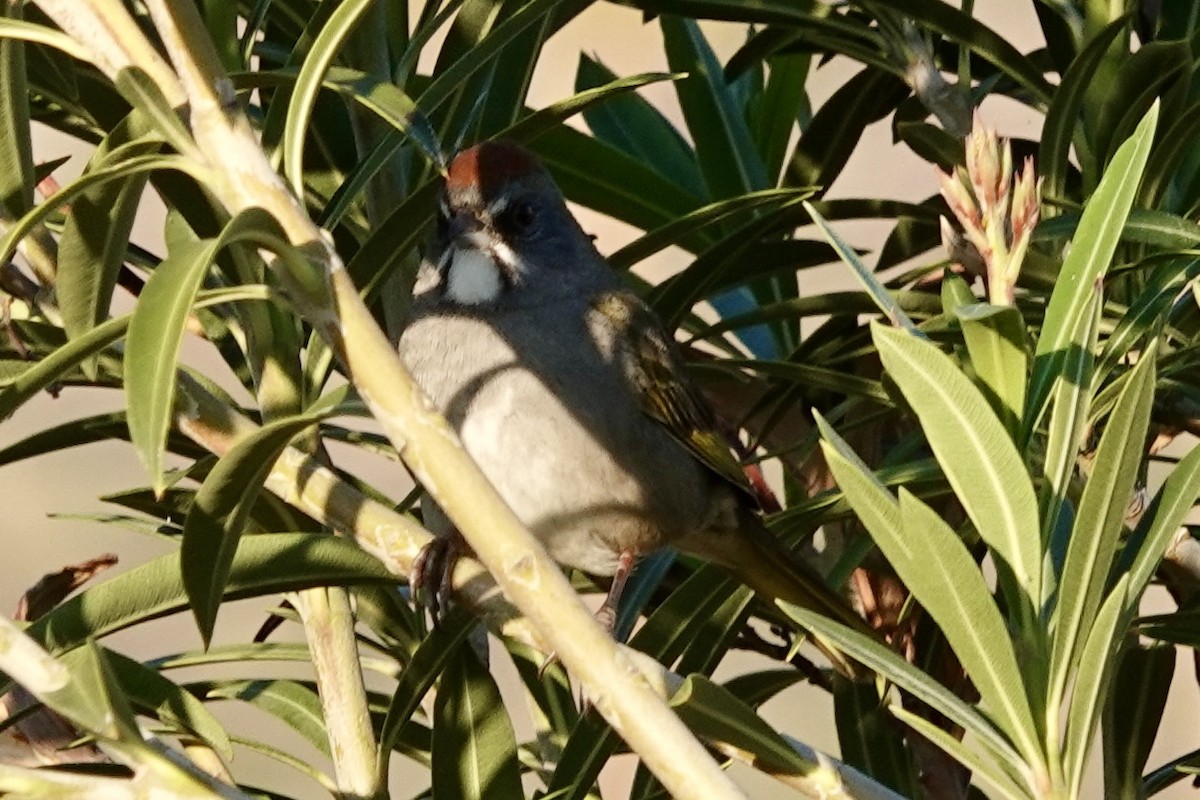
[(651, 364)]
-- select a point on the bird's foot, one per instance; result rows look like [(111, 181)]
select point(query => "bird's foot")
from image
[(431, 577), (606, 615)]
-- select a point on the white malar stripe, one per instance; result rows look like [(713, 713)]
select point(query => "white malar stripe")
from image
[(473, 278)]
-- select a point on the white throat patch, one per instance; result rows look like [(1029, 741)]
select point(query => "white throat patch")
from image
[(473, 277)]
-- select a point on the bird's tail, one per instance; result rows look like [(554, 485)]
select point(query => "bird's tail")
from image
[(756, 558)]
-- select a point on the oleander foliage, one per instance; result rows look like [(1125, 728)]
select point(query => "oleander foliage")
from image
[(1021, 408)]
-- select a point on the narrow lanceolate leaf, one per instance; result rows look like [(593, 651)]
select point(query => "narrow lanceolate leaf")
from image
[(291, 702), (63, 360), (867, 735), (995, 338), (1144, 549), (1089, 258), (106, 711), (948, 583), (1133, 713), (265, 563), (689, 228), (419, 675), (1003, 785), (882, 297), (714, 713), (1099, 520), (724, 145), (1091, 683), (1072, 400), (957, 603), (329, 42), (156, 333), (979, 458), (886, 663), (39, 214), (16, 150), (220, 511), (92, 251), (474, 748), (152, 693), (635, 126), (1063, 116)]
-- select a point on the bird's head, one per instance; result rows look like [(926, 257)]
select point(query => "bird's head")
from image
[(504, 229)]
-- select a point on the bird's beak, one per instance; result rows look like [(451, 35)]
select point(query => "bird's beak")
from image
[(465, 229), (464, 234)]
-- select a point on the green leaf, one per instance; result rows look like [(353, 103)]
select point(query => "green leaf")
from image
[(1157, 71), (96, 233), (1145, 547), (935, 565), (16, 148), (882, 297), (1149, 309), (931, 143), (867, 736), (291, 702), (1003, 763), (724, 145), (672, 299), (683, 618), (154, 694), (1065, 432), (833, 134), (835, 303), (947, 582), (1133, 713), (1159, 229), (219, 513), (774, 112), (53, 367), (1091, 252), (330, 39), (633, 125), (439, 648), (603, 178), (979, 767), (264, 564), (1063, 115), (1100, 518), (979, 458), (995, 338), (713, 712), (157, 327), (1096, 666), (93, 699), (474, 748), (69, 193), (699, 223), (1169, 153), (86, 430), (38, 33)]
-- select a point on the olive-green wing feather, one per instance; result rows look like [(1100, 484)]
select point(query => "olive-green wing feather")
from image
[(655, 371)]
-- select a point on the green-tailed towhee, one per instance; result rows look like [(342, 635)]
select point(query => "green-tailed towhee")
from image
[(570, 395)]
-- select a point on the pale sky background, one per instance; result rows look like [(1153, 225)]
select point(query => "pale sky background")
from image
[(72, 482)]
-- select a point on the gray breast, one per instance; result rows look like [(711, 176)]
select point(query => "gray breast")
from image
[(551, 423)]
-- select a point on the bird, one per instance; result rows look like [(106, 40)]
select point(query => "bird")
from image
[(571, 396)]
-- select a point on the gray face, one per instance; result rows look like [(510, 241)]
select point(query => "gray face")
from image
[(514, 245)]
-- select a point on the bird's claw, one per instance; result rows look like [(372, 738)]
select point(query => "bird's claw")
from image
[(432, 574)]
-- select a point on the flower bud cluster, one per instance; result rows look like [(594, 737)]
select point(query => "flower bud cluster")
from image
[(996, 208)]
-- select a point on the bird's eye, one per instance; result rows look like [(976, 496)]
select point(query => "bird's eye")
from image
[(522, 217)]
